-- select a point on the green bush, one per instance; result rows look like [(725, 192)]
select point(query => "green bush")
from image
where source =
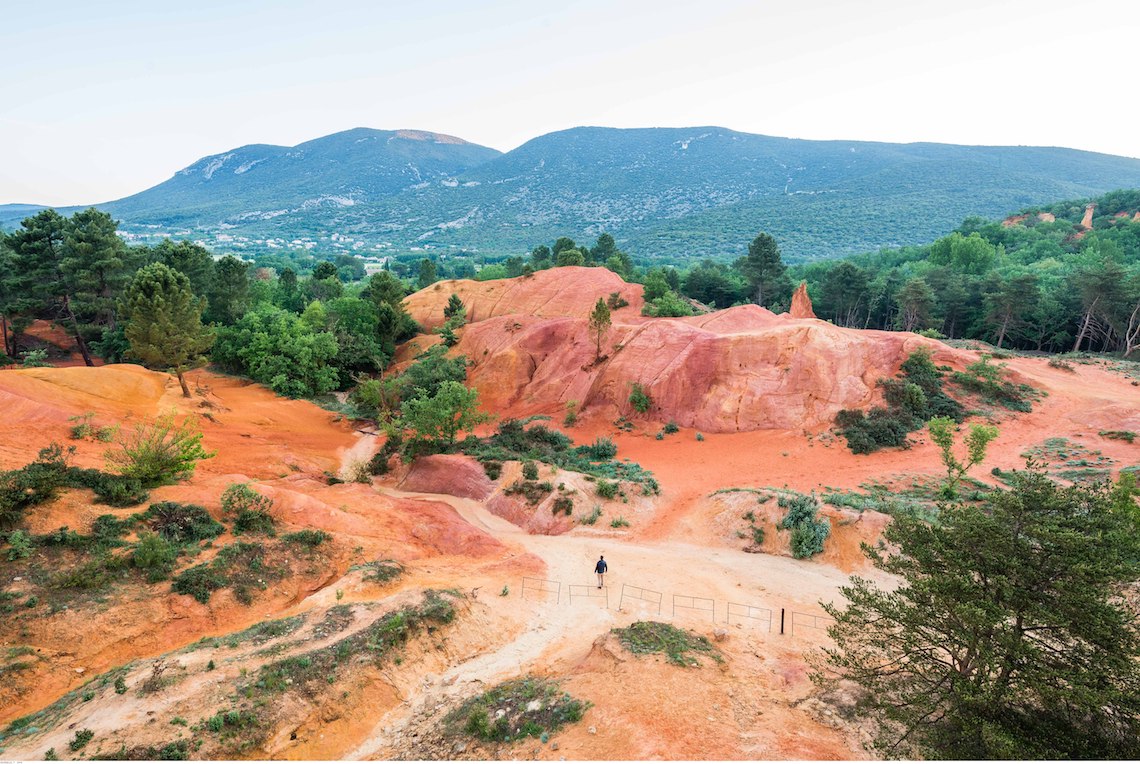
[(986, 379), (602, 449), (160, 453), (639, 399), (606, 489), (182, 523), (33, 484), (808, 531), (248, 509), (82, 738), (530, 471), (493, 469), (20, 545), (307, 538), (563, 504), (154, 555), (199, 582), (670, 428)]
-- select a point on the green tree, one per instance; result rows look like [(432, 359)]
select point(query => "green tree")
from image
[(845, 294), (428, 273), (454, 308), (764, 269), (435, 420), (916, 301), (600, 323), (1009, 304), (964, 254), (96, 266), (1007, 636), (40, 282), (191, 260), (277, 348), (942, 433), (229, 294), (164, 322), (570, 257)]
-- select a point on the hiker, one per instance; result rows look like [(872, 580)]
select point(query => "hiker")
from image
[(600, 569)]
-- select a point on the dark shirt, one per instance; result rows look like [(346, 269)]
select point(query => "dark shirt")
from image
[(600, 567)]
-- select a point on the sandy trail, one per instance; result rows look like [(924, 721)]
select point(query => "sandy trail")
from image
[(558, 630)]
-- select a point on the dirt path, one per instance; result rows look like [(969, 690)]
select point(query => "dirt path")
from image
[(559, 629)]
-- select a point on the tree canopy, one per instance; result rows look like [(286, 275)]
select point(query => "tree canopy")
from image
[(1010, 635)]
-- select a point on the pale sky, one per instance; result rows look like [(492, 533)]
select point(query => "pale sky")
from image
[(99, 100)]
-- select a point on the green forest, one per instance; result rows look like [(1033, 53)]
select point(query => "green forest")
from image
[(1038, 281)]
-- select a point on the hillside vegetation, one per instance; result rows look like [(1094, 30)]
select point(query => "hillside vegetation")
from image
[(671, 194)]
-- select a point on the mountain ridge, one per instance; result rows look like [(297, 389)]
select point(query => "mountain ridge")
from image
[(665, 193)]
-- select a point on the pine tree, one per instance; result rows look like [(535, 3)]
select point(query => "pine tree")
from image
[(164, 321), (1010, 632), (600, 323), (764, 268)]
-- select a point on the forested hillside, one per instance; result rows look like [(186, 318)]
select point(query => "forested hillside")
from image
[(672, 195)]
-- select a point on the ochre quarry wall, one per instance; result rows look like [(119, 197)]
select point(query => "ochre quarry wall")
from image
[(744, 368)]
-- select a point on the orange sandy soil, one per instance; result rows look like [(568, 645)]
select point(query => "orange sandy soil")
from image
[(758, 704)]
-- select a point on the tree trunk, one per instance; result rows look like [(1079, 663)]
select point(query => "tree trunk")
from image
[(1001, 332), (182, 381), (1085, 326), (78, 335), (8, 351)]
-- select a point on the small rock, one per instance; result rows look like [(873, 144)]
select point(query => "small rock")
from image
[(554, 746), (500, 714), (80, 670), (534, 705), (710, 718), (459, 748), (593, 730), (720, 635)]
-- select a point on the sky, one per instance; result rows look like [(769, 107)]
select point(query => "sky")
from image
[(99, 100)]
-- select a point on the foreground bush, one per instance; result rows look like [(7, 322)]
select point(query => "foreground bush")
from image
[(160, 453)]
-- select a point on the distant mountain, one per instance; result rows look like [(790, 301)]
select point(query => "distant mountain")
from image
[(665, 193)]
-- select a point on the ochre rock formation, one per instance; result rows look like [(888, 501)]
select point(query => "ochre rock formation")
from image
[(739, 369), (453, 474), (570, 291), (801, 303)]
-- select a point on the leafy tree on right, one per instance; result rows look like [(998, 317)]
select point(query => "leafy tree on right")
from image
[(1012, 633)]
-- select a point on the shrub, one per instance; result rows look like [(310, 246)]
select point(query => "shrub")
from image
[(880, 427), (619, 522), (700, 438), (1126, 435), (199, 582), (159, 453), (808, 532), (615, 301), (35, 359), (306, 538), (33, 484), (530, 471), (670, 428), (82, 738), (639, 399), (19, 545), (534, 492), (1060, 363), (493, 469), (602, 449), (182, 523), (248, 509), (154, 555), (646, 637), (607, 489), (594, 515), (986, 379), (571, 417), (564, 504)]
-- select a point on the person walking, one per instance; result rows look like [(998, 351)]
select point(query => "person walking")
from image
[(600, 569)]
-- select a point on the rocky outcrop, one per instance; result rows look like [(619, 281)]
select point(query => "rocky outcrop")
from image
[(571, 291), (452, 474), (801, 303)]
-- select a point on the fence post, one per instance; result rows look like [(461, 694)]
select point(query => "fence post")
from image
[(781, 620)]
